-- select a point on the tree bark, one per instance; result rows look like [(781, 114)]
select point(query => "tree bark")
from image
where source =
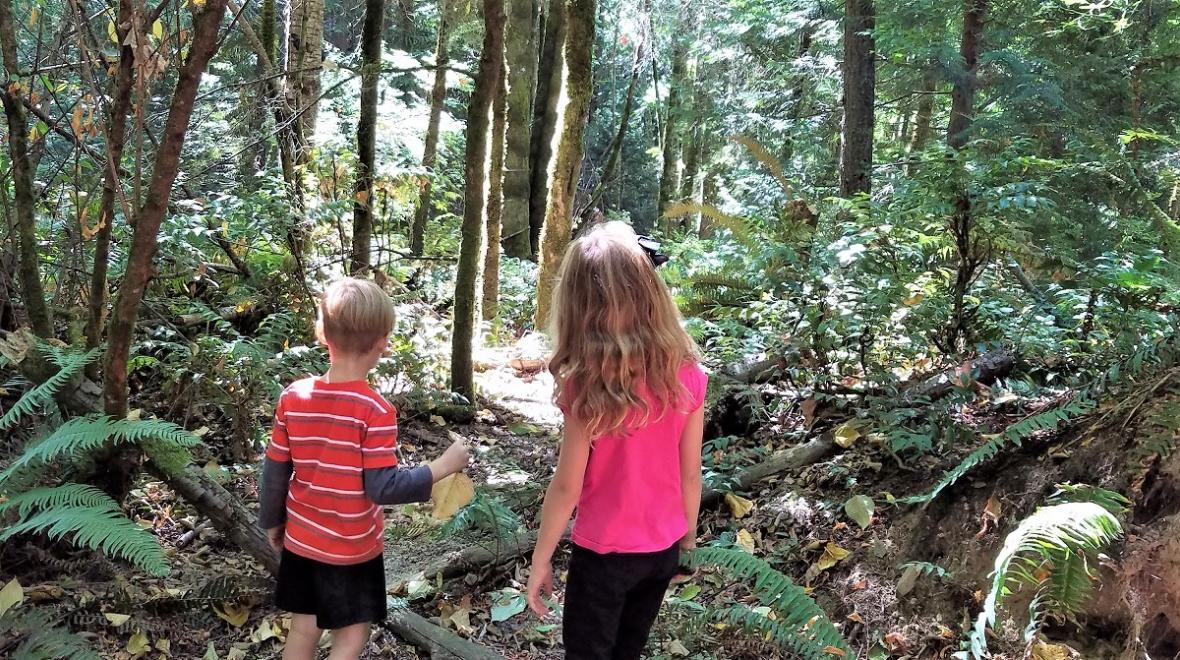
[(545, 117), (439, 643), (486, 81), (22, 176), (495, 204), (856, 148), (567, 165), (520, 58), (438, 95), (922, 132), (366, 137), (670, 171), (305, 57), (116, 136), (963, 89)]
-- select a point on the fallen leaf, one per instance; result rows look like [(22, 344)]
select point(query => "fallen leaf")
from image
[(116, 619), (833, 554), (211, 653), (233, 614), (451, 494), (164, 646), (908, 578), (135, 415), (138, 644), (438, 421), (846, 435), (263, 632), (739, 506), (507, 603), (43, 592), (856, 617), (11, 595), (240, 654), (675, 647), (860, 585), (992, 509), (808, 407), (895, 641), (835, 650), (460, 616), (1047, 651), (745, 540), (860, 508)]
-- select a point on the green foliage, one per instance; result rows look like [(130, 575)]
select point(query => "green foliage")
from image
[(485, 512), (927, 568), (1054, 551), (800, 625), (41, 638), (69, 363), (89, 519), (1013, 435)]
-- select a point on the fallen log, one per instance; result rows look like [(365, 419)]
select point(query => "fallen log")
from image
[(985, 369), (808, 453), (474, 557), (439, 642)]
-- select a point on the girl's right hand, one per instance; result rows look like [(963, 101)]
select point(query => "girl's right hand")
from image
[(540, 582)]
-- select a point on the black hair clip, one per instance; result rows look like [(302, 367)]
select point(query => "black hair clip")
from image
[(652, 247)]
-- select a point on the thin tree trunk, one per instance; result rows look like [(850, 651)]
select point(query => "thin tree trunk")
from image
[(520, 57), (495, 212), (22, 175), (670, 172), (856, 146), (963, 90), (922, 117), (366, 137), (116, 135), (486, 81), (546, 117), (692, 151), (567, 164), (305, 53), (438, 95)]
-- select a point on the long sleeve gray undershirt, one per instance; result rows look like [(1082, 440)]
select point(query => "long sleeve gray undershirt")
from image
[(390, 485)]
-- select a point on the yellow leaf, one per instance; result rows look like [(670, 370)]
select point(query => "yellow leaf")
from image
[(76, 119), (134, 415), (34, 15), (833, 554), (233, 614), (138, 644), (158, 30), (164, 646), (992, 509), (263, 632), (745, 540), (451, 494), (835, 650), (11, 595), (116, 619), (914, 299), (1046, 651), (846, 435), (112, 32), (739, 506)]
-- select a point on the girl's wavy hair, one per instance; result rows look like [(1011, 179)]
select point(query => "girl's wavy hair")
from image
[(617, 334)]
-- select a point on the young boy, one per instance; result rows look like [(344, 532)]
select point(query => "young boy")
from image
[(330, 466)]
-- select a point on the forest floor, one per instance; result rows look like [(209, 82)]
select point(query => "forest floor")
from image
[(216, 603)]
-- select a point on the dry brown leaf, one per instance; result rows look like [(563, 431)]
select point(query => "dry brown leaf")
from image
[(808, 407), (1046, 651), (745, 540), (833, 554), (451, 494), (232, 613), (739, 506)]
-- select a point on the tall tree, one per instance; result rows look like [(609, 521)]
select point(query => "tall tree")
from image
[(438, 95), (856, 146), (487, 79), (305, 56), (495, 205), (11, 92), (670, 171), (366, 136), (923, 115), (545, 115), (577, 89), (520, 58)]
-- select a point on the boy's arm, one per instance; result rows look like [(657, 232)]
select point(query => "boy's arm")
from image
[(276, 475), (398, 485)]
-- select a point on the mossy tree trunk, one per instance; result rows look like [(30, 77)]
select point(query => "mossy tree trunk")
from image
[(487, 79), (545, 116), (520, 58), (856, 145), (305, 57), (496, 202), (22, 176), (670, 170), (922, 116), (577, 90), (366, 137), (438, 94)]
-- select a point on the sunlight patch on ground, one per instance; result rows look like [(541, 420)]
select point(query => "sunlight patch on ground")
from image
[(527, 392)]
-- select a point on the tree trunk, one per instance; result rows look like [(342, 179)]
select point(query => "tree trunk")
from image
[(487, 79), (692, 151), (305, 57), (670, 172), (116, 135), (22, 176), (520, 57), (206, 23), (922, 117), (972, 255), (438, 95), (856, 147), (495, 212), (545, 117), (579, 50), (366, 137)]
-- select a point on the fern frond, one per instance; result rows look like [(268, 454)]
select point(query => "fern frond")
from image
[(81, 436), (770, 162), (1013, 435), (1113, 502), (91, 519), (486, 512), (70, 365), (43, 639), (276, 330), (800, 625), (1052, 550), (742, 229)]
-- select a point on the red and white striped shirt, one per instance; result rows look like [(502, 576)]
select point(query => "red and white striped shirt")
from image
[(331, 433)]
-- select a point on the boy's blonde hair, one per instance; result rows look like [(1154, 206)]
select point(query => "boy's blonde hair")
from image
[(354, 316), (617, 334)]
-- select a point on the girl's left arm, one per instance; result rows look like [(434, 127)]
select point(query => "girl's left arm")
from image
[(690, 474)]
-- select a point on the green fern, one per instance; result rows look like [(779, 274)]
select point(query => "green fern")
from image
[(799, 625), (1013, 435), (41, 637), (1113, 502), (486, 512), (91, 519), (70, 365), (927, 568), (81, 436), (1054, 551)]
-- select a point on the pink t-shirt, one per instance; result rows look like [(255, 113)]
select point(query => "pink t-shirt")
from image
[(631, 496)]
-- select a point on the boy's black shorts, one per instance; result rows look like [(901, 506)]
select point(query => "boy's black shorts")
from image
[(338, 596)]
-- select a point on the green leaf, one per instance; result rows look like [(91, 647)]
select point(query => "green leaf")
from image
[(507, 603), (11, 595), (860, 508)]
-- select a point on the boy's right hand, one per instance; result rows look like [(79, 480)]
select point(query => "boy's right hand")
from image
[(275, 536), (453, 460)]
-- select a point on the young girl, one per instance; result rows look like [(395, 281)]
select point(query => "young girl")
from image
[(631, 389)]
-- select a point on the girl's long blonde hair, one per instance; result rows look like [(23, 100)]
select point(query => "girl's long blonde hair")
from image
[(617, 334)]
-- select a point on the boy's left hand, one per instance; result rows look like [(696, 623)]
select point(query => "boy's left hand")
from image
[(275, 536)]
